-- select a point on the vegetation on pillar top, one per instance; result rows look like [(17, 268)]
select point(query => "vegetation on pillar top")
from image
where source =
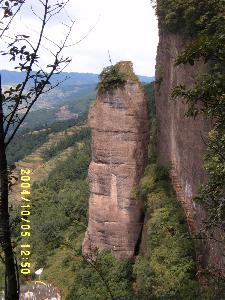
[(116, 76)]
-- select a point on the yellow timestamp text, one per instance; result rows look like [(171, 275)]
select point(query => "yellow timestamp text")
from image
[(25, 226)]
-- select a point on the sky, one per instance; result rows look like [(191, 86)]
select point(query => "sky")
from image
[(125, 29)]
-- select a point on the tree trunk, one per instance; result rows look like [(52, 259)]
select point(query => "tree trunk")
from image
[(11, 288)]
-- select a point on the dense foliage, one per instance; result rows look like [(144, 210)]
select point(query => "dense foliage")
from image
[(105, 278), (187, 17), (165, 267)]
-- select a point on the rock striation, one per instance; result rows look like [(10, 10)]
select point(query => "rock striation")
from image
[(119, 125), (181, 143)]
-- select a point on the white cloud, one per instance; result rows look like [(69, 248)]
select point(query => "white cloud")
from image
[(128, 29)]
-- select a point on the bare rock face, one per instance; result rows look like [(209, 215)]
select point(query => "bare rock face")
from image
[(119, 124), (181, 143)]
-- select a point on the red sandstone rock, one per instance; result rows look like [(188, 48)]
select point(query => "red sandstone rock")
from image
[(181, 143), (119, 124)]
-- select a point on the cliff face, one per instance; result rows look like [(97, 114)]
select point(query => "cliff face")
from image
[(119, 125), (181, 141)]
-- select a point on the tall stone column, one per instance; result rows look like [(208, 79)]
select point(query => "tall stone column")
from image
[(120, 134)]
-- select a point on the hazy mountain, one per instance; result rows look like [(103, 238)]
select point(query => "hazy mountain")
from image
[(13, 77), (67, 101)]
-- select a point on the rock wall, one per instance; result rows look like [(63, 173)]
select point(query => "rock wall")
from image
[(119, 125), (181, 142)]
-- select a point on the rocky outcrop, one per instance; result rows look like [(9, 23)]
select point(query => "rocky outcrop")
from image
[(181, 142), (119, 125)]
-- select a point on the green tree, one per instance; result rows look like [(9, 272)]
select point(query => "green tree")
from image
[(102, 278)]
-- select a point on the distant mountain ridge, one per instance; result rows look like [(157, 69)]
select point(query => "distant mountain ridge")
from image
[(70, 99), (14, 77)]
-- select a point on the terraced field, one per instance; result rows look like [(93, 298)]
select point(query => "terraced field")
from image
[(35, 161)]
